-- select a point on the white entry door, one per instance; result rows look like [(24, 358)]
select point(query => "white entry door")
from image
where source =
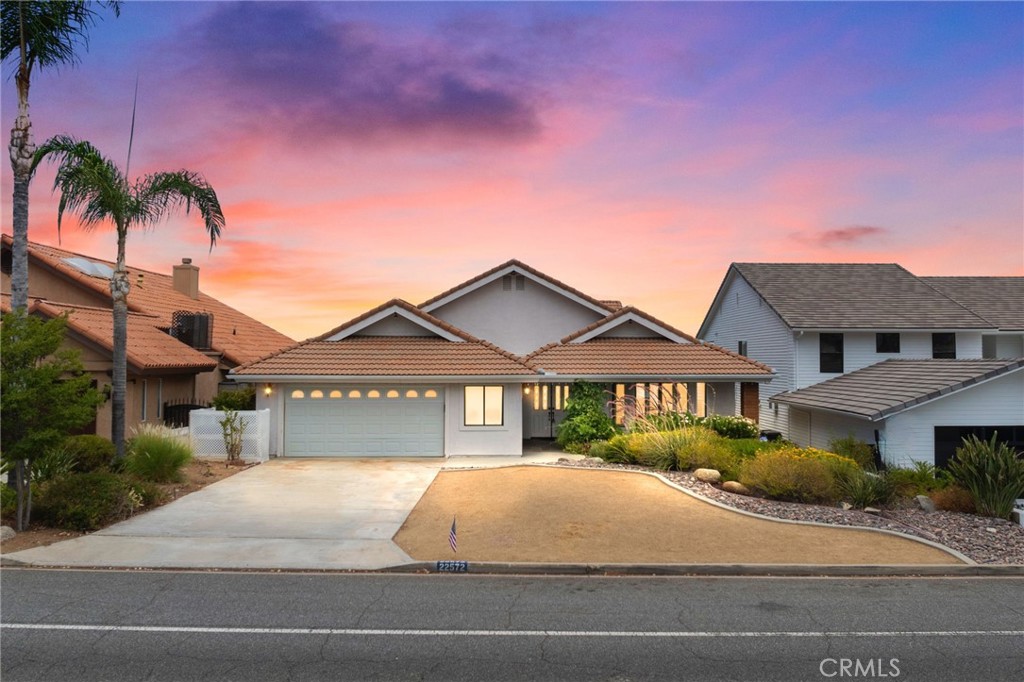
[(364, 421)]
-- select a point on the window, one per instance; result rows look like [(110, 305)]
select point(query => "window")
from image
[(887, 343), (742, 348), (373, 393), (483, 405), (298, 394), (145, 398), (354, 393), (392, 393), (830, 350), (159, 398), (412, 393), (335, 394), (430, 393), (944, 346)]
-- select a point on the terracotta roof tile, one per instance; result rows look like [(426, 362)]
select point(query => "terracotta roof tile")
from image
[(643, 357), (388, 356), (149, 348), (239, 337), (891, 386), (525, 268)]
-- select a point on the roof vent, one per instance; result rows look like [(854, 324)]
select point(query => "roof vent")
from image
[(91, 268), (193, 329)]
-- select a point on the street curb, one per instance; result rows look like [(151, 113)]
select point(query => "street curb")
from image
[(724, 570)]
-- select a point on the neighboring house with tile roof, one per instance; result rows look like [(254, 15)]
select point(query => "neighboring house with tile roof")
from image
[(826, 327), (481, 367), (173, 327)]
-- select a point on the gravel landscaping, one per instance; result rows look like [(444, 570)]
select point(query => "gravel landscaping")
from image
[(982, 539)]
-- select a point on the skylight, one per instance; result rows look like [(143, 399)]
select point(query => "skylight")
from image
[(91, 268)]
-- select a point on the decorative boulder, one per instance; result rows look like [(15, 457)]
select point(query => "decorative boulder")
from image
[(735, 487), (707, 475), (872, 510), (6, 533), (925, 503)]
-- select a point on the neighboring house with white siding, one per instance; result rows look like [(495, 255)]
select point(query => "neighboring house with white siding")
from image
[(820, 325)]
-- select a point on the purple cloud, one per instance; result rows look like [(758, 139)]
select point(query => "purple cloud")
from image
[(308, 75), (842, 236)]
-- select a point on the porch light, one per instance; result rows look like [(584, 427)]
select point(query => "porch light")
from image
[(267, 390), (526, 390)]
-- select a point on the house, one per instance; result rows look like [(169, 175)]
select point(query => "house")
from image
[(181, 341), (479, 368), (873, 351)]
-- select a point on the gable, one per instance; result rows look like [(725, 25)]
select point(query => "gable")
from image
[(519, 315), (395, 325)]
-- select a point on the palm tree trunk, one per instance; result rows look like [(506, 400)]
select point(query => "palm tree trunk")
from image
[(119, 287), (21, 150)]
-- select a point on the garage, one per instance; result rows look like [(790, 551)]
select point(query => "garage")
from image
[(364, 421)]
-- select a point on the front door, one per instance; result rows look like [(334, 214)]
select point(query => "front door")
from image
[(749, 406), (543, 409)]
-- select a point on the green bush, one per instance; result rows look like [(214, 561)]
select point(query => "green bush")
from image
[(8, 500), (54, 463), (237, 400), (91, 453), (921, 479), (86, 502), (992, 472), (860, 452), (865, 489), (702, 448), (790, 474), (585, 419), (666, 421), (155, 454), (148, 492), (614, 450), (746, 448), (730, 426)]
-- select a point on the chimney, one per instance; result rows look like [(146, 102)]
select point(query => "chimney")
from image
[(186, 278)]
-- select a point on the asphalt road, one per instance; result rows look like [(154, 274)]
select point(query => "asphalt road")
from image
[(83, 625)]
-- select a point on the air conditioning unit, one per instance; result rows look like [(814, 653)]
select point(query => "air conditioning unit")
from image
[(193, 329)]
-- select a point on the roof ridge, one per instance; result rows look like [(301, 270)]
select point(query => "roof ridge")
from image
[(408, 307)]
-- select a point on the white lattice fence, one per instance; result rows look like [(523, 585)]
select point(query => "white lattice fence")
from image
[(208, 438)]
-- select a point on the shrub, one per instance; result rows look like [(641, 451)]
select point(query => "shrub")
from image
[(238, 399), (921, 479), (91, 452), (156, 454), (865, 488), (585, 419), (8, 500), (746, 448), (86, 502), (148, 492), (992, 472), (614, 450), (730, 426), (702, 448), (860, 452), (790, 474), (953, 498), (666, 421), (54, 463)]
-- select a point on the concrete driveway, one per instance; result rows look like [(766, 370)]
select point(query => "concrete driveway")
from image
[(286, 513)]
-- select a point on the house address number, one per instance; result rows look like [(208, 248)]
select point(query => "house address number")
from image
[(453, 566)]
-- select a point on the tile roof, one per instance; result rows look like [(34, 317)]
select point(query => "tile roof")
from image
[(854, 296), (519, 265), (408, 307), (149, 348), (388, 356), (1000, 300), (891, 386), (239, 337), (644, 357)]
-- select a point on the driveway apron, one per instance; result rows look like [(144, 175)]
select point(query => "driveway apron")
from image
[(286, 513)]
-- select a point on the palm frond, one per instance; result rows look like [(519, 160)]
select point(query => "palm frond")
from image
[(159, 193), (53, 29)]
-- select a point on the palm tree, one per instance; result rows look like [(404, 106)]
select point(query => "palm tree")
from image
[(43, 34), (92, 186)]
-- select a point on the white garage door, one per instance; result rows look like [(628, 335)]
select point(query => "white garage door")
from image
[(364, 421)]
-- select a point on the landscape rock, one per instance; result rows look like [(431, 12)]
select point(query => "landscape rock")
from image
[(735, 487), (707, 475), (925, 503), (6, 533), (872, 510), (846, 506)]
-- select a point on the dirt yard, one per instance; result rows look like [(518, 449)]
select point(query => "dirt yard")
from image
[(197, 475), (537, 514)]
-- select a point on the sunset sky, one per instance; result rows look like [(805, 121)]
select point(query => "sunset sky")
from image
[(368, 151)]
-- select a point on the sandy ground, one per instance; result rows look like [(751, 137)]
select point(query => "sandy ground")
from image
[(198, 474), (537, 514)]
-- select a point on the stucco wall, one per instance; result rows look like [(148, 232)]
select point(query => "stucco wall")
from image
[(484, 440), (44, 283)]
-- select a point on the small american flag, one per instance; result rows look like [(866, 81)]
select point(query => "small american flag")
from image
[(452, 539)]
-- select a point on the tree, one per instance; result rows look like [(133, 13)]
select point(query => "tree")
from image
[(92, 186), (44, 395), (40, 34)]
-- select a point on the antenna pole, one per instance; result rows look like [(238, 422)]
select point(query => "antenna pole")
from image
[(131, 135)]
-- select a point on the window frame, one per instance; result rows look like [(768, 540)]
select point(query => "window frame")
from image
[(882, 347), (827, 360), (741, 348), (483, 405)]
